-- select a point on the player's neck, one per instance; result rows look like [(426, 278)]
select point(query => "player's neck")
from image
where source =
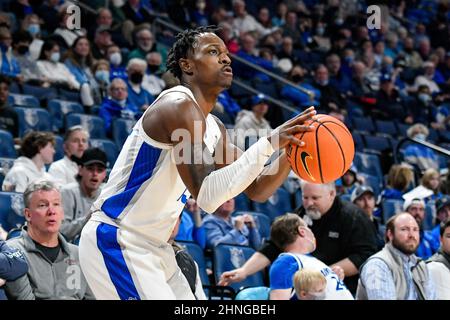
[(206, 99)]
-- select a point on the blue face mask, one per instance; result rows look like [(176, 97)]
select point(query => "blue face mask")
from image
[(420, 136), (34, 29), (102, 75)]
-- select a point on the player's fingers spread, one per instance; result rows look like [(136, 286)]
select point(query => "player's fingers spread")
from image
[(296, 141), (306, 116), (299, 128)]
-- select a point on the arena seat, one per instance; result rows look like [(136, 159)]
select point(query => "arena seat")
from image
[(33, 119), (262, 222), (5, 165), (368, 163), (59, 108), (391, 207), (196, 253), (377, 143), (11, 210), (278, 204), (402, 129), (363, 124), (39, 92), (23, 100), (92, 124), (242, 202), (386, 127), (7, 145), (121, 129), (228, 257), (108, 147), (69, 95), (359, 141)]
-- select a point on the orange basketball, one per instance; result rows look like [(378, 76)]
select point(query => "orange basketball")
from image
[(328, 152)]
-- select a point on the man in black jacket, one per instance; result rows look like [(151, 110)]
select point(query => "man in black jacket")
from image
[(344, 234)]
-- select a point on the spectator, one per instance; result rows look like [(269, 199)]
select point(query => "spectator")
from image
[(349, 181), (79, 62), (428, 77), (51, 72), (417, 155), (9, 120), (337, 77), (199, 15), (140, 98), (187, 264), (78, 197), (137, 12), (20, 8), (442, 215), (252, 123), (105, 19), (114, 56), (76, 141), (431, 181), (344, 236), (38, 149), (389, 105), (117, 105), (102, 40), (291, 234), (395, 273), (32, 24), (291, 27), (427, 245), (152, 81), (280, 18), (9, 66), (52, 261), (191, 224), (49, 14), (423, 107), (101, 80), (411, 56), (301, 99), (145, 42), (244, 22), (21, 51), (439, 264), (13, 264), (399, 179), (310, 284), (221, 227), (364, 198), (226, 33)]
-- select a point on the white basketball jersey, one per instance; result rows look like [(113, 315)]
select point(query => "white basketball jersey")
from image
[(336, 289), (145, 193)]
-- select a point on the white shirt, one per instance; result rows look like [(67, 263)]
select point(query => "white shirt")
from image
[(145, 194), (440, 275), (56, 72), (63, 171)]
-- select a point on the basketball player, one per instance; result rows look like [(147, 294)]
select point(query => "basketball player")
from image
[(290, 233), (123, 248)]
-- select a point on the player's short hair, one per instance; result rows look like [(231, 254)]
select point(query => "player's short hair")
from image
[(186, 41), (306, 279), (284, 229)]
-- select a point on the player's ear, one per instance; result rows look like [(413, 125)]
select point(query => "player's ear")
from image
[(185, 66)]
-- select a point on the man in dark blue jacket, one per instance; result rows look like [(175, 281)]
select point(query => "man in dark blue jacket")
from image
[(12, 263)]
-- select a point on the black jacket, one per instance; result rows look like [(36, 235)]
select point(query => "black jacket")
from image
[(344, 231)]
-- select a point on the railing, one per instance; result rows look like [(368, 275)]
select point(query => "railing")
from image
[(254, 66), (420, 142)]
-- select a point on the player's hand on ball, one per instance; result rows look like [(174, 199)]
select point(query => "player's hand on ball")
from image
[(284, 135)]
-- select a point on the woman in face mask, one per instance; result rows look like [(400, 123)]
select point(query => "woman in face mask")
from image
[(115, 63), (51, 71), (101, 73)]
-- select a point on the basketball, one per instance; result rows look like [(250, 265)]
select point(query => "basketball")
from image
[(328, 152)]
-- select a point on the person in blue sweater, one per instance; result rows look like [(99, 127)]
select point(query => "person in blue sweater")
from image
[(117, 105), (12, 263), (221, 227), (300, 98), (191, 226), (140, 98), (9, 66)]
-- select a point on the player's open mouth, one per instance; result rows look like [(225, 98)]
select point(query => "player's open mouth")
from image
[(227, 70)]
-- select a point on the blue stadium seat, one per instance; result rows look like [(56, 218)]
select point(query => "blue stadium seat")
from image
[(386, 127), (11, 210), (59, 108), (23, 100), (108, 147), (359, 141), (262, 222), (391, 207), (228, 257), (402, 128), (7, 145), (121, 129), (92, 124), (5, 165), (33, 119), (242, 202), (278, 204), (433, 135), (196, 253), (368, 163), (38, 92), (59, 148), (69, 95), (377, 143), (267, 88), (363, 124), (430, 213)]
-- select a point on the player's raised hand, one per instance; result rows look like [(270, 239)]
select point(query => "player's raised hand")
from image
[(285, 133)]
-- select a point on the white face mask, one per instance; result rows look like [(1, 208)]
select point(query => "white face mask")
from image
[(55, 56), (115, 58), (420, 136)]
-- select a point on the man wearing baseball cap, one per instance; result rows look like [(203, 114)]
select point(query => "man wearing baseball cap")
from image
[(427, 246), (364, 197), (79, 196)]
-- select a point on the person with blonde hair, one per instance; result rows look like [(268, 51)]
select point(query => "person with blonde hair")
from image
[(400, 176), (431, 180), (418, 155), (310, 284)]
